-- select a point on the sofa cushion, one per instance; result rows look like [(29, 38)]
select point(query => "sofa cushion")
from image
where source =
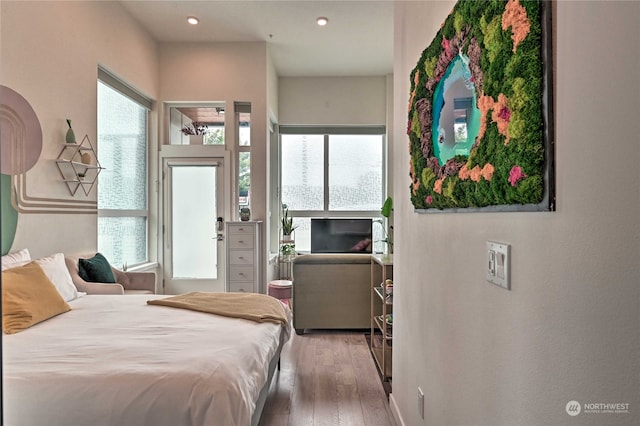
[(96, 269)]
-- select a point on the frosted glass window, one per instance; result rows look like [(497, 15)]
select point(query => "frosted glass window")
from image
[(123, 240), (303, 171), (193, 221), (355, 172), (122, 185), (332, 175)]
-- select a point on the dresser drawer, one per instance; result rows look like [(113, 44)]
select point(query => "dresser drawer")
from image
[(240, 241), (241, 273), (240, 229), (241, 257), (240, 286)]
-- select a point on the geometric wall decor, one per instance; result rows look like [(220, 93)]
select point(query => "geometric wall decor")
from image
[(20, 149), (79, 166), (480, 114)]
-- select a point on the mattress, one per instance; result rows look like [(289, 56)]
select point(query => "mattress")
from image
[(114, 360)]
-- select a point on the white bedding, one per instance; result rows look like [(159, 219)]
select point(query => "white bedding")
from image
[(114, 360)]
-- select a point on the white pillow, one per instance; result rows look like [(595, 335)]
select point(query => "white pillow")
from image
[(56, 270), (17, 258)]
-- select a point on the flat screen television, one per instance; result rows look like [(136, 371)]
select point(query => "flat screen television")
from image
[(341, 235)]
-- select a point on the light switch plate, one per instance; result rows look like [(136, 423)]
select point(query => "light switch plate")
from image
[(498, 264)]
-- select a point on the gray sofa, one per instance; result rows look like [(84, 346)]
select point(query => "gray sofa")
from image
[(331, 291)]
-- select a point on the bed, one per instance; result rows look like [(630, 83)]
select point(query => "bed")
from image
[(115, 360)]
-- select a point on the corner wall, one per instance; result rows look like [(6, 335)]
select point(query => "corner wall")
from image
[(568, 329)]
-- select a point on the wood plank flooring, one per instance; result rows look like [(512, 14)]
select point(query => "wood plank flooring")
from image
[(327, 378)]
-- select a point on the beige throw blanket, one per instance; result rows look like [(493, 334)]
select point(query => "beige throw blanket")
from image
[(251, 306)]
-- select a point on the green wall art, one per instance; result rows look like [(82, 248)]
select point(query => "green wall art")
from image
[(480, 119)]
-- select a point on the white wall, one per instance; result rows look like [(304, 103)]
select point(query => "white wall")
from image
[(228, 72), (568, 329), (332, 100), (50, 52)]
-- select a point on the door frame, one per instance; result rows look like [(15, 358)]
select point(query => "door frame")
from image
[(200, 154)]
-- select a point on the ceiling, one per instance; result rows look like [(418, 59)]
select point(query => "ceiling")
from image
[(357, 41)]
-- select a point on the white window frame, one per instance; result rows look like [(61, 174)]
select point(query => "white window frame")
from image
[(126, 90), (242, 107), (328, 131)]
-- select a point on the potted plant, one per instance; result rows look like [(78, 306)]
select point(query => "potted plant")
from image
[(287, 244), (386, 210), (287, 223), (196, 131)]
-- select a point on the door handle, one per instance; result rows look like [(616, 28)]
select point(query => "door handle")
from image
[(220, 237)]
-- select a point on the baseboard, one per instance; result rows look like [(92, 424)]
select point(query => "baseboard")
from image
[(395, 411)]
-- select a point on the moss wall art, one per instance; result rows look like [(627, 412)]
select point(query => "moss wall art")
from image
[(479, 115)]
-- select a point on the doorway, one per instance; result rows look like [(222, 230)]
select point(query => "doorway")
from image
[(193, 230)]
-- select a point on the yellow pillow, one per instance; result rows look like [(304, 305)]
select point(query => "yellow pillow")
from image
[(28, 297)]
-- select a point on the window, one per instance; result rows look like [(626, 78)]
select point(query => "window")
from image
[(243, 120), (332, 173), (122, 186), (207, 121)]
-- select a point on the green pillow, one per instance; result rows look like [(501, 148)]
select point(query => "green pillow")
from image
[(96, 270)]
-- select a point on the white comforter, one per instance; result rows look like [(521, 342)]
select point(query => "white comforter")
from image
[(114, 360)]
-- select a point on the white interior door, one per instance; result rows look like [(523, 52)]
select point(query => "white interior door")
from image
[(193, 243)]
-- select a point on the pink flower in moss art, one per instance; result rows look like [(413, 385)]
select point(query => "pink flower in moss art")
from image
[(515, 175), (505, 114), (446, 45), (429, 199)]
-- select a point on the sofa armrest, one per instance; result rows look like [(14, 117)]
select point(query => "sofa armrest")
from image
[(100, 288), (136, 280)]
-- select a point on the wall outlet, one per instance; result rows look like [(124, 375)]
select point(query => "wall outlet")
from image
[(420, 403), (498, 264)]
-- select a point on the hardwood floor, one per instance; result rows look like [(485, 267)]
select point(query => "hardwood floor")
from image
[(327, 378)]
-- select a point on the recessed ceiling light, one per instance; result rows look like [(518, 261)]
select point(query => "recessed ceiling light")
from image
[(322, 21), (193, 20)]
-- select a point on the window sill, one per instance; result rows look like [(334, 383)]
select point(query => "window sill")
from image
[(143, 267)]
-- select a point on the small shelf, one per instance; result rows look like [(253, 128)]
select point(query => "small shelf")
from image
[(381, 309), (387, 300), (286, 255), (388, 328), (79, 166), (382, 357)]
